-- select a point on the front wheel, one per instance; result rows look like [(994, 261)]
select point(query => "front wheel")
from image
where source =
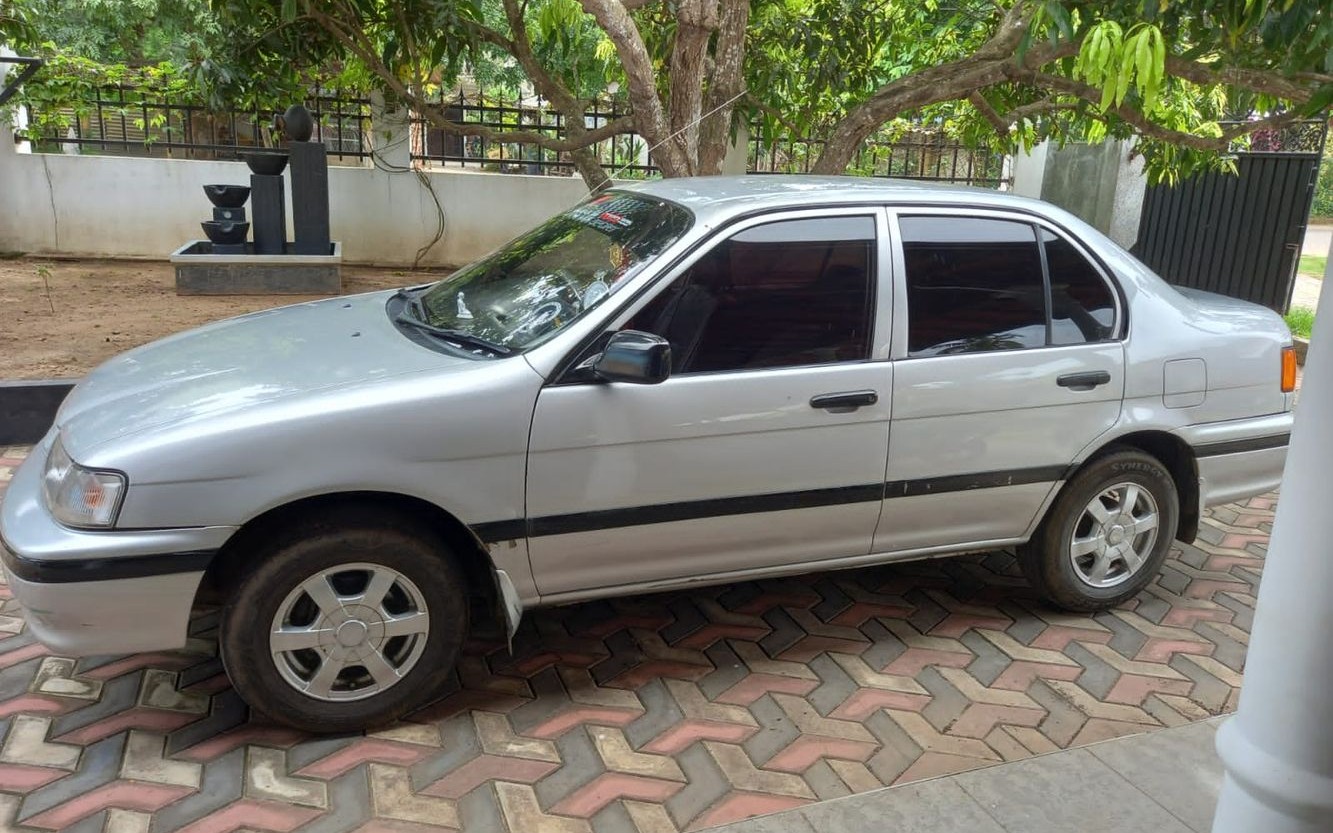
[(347, 627), (1106, 535)]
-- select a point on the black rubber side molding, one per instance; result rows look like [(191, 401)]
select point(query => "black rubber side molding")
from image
[(104, 569), (1084, 381)]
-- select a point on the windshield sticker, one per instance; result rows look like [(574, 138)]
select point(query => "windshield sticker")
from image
[(608, 213), (596, 291)]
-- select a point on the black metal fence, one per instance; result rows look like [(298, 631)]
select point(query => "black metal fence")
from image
[(132, 122), (625, 156), (128, 122), (1238, 235), (921, 156)]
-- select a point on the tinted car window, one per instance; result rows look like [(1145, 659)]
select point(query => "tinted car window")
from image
[(972, 285), (782, 294), (1082, 308)]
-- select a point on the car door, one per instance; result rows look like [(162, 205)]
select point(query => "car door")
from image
[(1008, 362), (764, 448)]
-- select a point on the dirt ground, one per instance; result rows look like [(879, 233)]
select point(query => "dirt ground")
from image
[(65, 317)]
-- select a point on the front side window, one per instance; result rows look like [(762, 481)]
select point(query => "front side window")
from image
[(973, 285), (538, 284), (782, 294)]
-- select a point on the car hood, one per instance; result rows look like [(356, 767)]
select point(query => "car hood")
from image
[(242, 362)]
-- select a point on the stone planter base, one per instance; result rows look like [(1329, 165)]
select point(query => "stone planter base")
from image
[(201, 272), (1301, 346)]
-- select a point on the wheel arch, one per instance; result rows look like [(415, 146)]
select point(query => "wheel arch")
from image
[(241, 548), (1178, 458)]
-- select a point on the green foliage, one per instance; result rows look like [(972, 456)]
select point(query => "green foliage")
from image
[(1301, 321), (1323, 189), (1313, 265), (124, 31)]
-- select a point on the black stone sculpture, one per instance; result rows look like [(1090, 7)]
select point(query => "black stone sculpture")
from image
[(226, 231), (266, 200), (296, 124), (310, 196)]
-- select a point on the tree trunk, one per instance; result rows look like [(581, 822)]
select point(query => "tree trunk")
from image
[(695, 22), (726, 84)]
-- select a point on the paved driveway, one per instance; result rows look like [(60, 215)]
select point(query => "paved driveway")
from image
[(654, 713)]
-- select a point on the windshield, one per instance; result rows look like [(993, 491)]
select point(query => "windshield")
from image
[(535, 286)]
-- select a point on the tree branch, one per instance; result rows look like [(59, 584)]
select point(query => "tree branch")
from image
[(943, 82), (550, 88), (984, 107), (359, 44), (1147, 127), (1296, 89), (649, 115)]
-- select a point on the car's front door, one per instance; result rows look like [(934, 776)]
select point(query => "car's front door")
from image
[(765, 447), (1008, 363)]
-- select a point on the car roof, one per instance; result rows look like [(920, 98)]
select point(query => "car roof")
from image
[(716, 198)]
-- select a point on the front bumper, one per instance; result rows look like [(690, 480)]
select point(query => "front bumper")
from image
[(1240, 458), (91, 592)]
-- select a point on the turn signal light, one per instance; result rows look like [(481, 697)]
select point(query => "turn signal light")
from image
[(1288, 369)]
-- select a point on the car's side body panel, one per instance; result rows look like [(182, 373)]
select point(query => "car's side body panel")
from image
[(205, 450)]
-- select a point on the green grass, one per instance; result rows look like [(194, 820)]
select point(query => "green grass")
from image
[(1313, 265), (1301, 321)]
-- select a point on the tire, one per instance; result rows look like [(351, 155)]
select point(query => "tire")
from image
[(1085, 559), (319, 677)]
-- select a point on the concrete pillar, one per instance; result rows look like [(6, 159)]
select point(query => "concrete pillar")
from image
[(8, 144), (391, 134), (1030, 171), (1103, 184), (737, 160), (1131, 184), (1278, 749)]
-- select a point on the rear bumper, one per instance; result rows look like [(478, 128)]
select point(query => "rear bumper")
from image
[(99, 592), (1239, 459)]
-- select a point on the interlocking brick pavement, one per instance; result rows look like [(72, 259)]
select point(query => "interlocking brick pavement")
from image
[(650, 714)]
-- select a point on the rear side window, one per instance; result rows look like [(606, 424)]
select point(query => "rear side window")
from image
[(1082, 307), (973, 284)]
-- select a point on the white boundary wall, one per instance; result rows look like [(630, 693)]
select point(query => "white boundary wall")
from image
[(108, 206)]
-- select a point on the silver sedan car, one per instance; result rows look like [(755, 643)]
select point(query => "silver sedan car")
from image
[(676, 383)]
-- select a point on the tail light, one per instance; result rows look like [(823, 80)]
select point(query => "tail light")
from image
[(1288, 369)]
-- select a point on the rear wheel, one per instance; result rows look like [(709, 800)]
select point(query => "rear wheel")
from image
[(340, 628), (1106, 535)]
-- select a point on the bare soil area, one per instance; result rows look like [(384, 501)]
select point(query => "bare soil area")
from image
[(61, 318)]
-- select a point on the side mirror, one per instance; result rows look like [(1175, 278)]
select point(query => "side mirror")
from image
[(635, 357)]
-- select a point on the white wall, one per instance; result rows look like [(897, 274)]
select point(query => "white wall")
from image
[(126, 207)]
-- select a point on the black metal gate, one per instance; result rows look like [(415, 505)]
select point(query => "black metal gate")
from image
[(1238, 235)]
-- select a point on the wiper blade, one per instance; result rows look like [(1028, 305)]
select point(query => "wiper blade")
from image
[(453, 335), (413, 303)]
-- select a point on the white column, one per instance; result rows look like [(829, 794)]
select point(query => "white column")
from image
[(1278, 749), (391, 135)]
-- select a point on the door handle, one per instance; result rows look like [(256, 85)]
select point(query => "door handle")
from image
[(1084, 381), (845, 401)]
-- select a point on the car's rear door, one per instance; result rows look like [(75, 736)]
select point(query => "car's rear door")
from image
[(1001, 376), (765, 447)]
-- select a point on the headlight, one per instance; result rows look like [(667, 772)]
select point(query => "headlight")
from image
[(78, 496)]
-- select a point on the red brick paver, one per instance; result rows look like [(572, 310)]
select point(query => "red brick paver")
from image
[(652, 713)]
